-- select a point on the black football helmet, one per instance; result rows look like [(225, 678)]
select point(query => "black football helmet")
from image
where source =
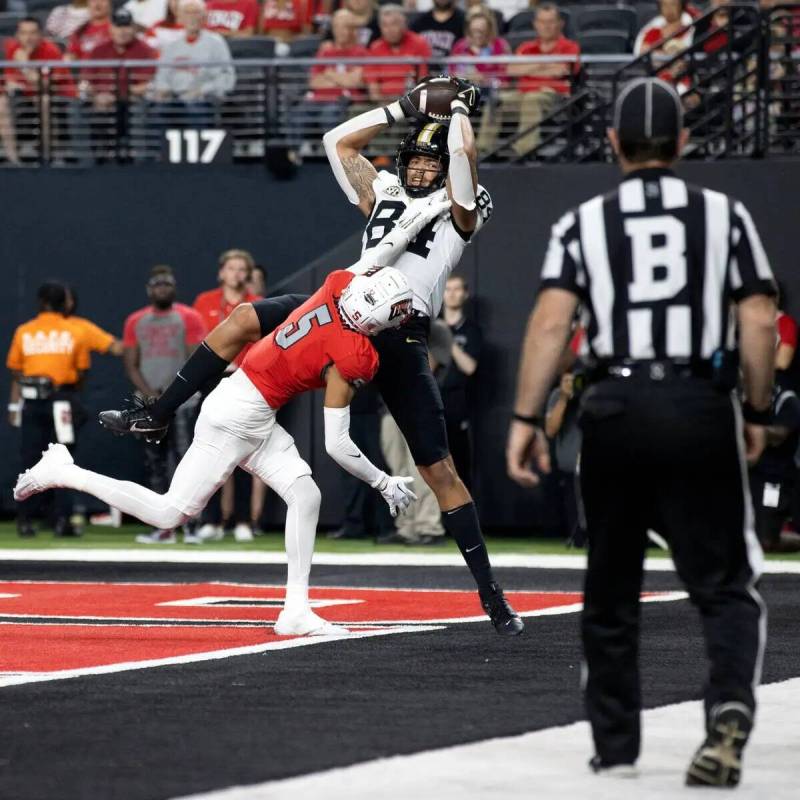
[(428, 140)]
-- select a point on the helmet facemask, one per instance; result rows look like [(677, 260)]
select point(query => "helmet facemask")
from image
[(430, 141)]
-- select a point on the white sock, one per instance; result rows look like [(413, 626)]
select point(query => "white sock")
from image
[(302, 513)]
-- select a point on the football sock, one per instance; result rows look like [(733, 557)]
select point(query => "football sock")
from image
[(302, 500), (463, 525), (202, 367)]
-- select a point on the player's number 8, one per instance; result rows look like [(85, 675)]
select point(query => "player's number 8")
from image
[(293, 332)]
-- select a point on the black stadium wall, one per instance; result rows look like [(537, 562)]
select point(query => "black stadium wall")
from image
[(102, 229)]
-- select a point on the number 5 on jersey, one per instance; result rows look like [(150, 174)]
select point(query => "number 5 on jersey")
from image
[(293, 332)]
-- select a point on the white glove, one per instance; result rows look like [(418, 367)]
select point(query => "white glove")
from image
[(396, 492)]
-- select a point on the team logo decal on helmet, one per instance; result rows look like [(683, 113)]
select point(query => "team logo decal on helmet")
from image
[(429, 141), (375, 301)]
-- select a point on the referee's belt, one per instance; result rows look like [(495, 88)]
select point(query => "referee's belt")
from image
[(654, 370)]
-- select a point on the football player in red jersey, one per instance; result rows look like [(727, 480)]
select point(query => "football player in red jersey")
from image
[(323, 343)]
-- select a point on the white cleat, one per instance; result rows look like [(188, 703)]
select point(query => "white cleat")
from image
[(306, 623), (211, 533), (45, 474)]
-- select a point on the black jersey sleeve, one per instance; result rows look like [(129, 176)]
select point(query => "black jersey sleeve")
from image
[(271, 311)]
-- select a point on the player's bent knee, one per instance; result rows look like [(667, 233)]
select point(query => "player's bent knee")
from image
[(306, 492), (440, 476)]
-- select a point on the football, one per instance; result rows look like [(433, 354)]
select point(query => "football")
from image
[(433, 97)]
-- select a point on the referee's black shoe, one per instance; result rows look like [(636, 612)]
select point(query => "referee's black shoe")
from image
[(135, 419), (718, 762), (506, 621)]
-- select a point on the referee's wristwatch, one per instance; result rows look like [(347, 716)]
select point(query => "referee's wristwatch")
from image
[(754, 416)]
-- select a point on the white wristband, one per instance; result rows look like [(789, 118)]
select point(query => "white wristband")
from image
[(15, 407), (395, 111)]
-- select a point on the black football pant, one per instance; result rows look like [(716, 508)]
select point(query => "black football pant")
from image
[(665, 455)]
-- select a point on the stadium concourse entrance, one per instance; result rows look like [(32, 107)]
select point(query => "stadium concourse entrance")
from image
[(101, 230)]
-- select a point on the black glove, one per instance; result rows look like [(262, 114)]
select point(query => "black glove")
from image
[(468, 93)]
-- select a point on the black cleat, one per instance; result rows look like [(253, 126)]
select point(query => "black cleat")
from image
[(616, 770), (503, 617), (718, 762), (135, 419)]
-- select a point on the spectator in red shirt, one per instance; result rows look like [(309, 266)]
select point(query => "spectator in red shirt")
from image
[(232, 17), (673, 21), (332, 87), (540, 87), (285, 20), (385, 81), (21, 84), (103, 84), (94, 32), (235, 270)]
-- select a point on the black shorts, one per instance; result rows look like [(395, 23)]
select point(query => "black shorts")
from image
[(404, 378), (410, 391)]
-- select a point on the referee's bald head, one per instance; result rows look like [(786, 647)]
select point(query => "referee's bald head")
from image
[(648, 122)]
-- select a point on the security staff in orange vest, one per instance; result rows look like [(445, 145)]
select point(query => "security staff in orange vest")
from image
[(47, 358)]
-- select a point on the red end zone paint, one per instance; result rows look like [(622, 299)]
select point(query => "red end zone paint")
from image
[(52, 627)]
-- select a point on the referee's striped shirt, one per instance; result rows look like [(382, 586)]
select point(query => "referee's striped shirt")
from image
[(657, 263)]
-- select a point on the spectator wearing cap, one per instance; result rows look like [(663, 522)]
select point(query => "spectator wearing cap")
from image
[(202, 73), (540, 87), (442, 26), (21, 84), (332, 86), (107, 85), (146, 13), (386, 81), (232, 17), (95, 31)]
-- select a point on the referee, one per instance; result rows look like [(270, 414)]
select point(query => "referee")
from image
[(658, 264)]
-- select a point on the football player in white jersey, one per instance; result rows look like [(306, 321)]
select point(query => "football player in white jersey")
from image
[(432, 158)]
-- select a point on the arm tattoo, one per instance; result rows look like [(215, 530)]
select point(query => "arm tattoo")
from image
[(361, 174)]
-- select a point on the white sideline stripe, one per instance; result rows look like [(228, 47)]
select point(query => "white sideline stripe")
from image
[(543, 561), (552, 764), (17, 678)]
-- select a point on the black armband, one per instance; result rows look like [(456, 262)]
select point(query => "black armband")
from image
[(532, 420), (756, 417)]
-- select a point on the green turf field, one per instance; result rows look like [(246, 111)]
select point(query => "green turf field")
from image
[(103, 537)]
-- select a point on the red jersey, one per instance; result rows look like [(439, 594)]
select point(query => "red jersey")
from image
[(396, 80), (109, 79), (330, 50), (60, 79), (294, 357), (213, 308), (291, 15), (231, 16), (562, 47), (87, 37)]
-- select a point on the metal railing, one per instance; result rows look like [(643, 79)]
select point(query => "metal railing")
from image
[(742, 99)]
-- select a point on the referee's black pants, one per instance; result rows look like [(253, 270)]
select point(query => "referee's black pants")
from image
[(665, 455)]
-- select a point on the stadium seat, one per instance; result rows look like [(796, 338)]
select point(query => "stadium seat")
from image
[(304, 46), (8, 22), (252, 46), (604, 18), (42, 5), (645, 11), (604, 42)]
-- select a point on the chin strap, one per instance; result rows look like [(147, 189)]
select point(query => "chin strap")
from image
[(460, 171), (386, 115)]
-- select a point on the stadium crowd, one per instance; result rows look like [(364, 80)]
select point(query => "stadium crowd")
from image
[(140, 102)]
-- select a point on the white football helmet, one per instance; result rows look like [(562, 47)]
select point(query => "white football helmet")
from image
[(376, 300)]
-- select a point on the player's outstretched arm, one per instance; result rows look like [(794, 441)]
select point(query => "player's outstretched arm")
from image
[(341, 448), (462, 175)]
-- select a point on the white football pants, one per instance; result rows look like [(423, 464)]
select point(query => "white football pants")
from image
[(236, 427)]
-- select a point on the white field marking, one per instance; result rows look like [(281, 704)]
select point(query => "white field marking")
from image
[(5, 595), (543, 561), (256, 601), (552, 764), (17, 678)]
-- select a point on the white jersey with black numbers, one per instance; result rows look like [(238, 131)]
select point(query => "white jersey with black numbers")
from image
[(437, 249)]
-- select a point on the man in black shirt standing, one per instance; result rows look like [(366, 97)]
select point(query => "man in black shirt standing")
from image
[(442, 26), (658, 265), (772, 479), (454, 379)]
